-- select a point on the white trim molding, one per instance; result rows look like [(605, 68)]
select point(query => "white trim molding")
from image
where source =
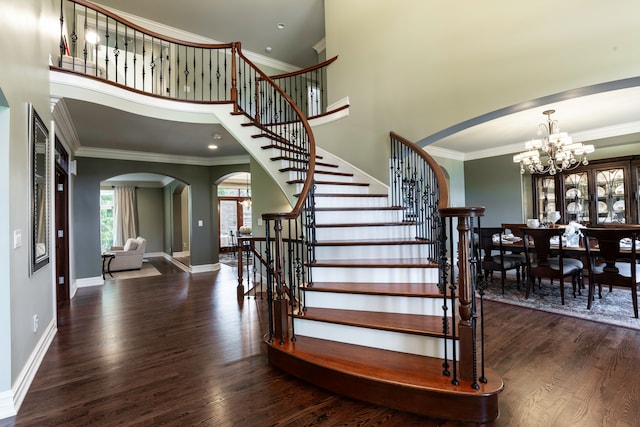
[(28, 373)]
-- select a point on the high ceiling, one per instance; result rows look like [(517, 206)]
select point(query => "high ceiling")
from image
[(594, 113), (254, 23)]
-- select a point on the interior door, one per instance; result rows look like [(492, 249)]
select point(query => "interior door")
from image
[(61, 238)]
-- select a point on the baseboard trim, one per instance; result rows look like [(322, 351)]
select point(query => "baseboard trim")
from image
[(11, 401), (205, 268), (7, 407), (89, 281)]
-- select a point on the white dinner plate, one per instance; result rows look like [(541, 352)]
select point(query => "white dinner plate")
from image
[(620, 189), (618, 206), (602, 207), (573, 193), (574, 208), (601, 192)]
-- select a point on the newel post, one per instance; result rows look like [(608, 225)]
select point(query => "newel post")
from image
[(465, 287)]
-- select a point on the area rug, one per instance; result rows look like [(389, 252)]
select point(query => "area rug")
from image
[(231, 259), (147, 270), (615, 308)]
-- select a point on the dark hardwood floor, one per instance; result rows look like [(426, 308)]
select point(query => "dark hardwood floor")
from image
[(179, 350)]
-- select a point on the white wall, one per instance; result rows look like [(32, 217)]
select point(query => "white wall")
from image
[(28, 37), (416, 67)]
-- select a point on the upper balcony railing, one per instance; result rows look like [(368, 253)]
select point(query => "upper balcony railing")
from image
[(100, 44)]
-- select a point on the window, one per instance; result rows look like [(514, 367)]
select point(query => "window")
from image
[(314, 101), (106, 219)]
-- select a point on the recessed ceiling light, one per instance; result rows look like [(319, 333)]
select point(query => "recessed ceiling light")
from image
[(213, 147), (217, 136), (280, 26), (268, 49)]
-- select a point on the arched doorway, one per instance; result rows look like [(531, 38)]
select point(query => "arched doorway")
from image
[(162, 213)]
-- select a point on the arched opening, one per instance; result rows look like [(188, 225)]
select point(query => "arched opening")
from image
[(161, 212)]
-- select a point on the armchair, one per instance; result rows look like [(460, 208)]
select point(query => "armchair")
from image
[(129, 256)]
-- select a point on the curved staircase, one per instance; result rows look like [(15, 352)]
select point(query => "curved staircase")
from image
[(361, 299), (370, 323)]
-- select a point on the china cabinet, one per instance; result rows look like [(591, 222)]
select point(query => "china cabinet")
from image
[(605, 191)]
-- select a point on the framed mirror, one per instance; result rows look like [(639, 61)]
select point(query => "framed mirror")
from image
[(39, 188)]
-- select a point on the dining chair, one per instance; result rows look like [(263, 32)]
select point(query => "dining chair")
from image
[(493, 258), (611, 261), (545, 261), (515, 255)]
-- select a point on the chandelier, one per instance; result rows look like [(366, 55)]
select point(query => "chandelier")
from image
[(562, 153)]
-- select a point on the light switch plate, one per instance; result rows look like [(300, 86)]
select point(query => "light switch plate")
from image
[(17, 239)]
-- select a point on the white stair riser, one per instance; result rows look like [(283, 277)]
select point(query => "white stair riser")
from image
[(374, 275), (293, 175), (394, 341), (372, 252), (331, 177), (357, 217), (338, 189), (380, 303), (368, 232), (351, 202)]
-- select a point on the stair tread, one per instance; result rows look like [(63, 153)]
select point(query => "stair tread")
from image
[(366, 224), (354, 184), (377, 263), (359, 208), (349, 195), (410, 370), (288, 158), (417, 324), (317, 171), (410, 289), (373, 242)]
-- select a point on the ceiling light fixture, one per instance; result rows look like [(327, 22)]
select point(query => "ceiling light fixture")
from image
[(91, 37), (246, 203), (217, 136), (562, 153), (280, 26), (212, 147), (268, 49)]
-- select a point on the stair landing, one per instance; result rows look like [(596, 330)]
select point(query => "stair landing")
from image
[(397, 380)]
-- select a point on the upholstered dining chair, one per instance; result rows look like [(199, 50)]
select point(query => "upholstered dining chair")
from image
[(609, 264), (518, 256), (543, 261), (493, 258)]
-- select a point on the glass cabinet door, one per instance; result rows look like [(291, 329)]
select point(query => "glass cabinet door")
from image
[(546, 191), (576, 197), (610, 196)]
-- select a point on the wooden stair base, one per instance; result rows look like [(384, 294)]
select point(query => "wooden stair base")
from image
[(400, 381)]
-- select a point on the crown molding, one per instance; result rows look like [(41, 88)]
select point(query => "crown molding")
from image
[(64, 124), (101, 153), (444, 153), (321, 46)]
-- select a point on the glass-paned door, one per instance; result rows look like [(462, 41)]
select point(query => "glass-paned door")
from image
[(576, 197), (228, 223), (610, 196), (546, 190)]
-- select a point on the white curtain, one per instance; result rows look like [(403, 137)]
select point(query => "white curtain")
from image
[(124, 215)]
